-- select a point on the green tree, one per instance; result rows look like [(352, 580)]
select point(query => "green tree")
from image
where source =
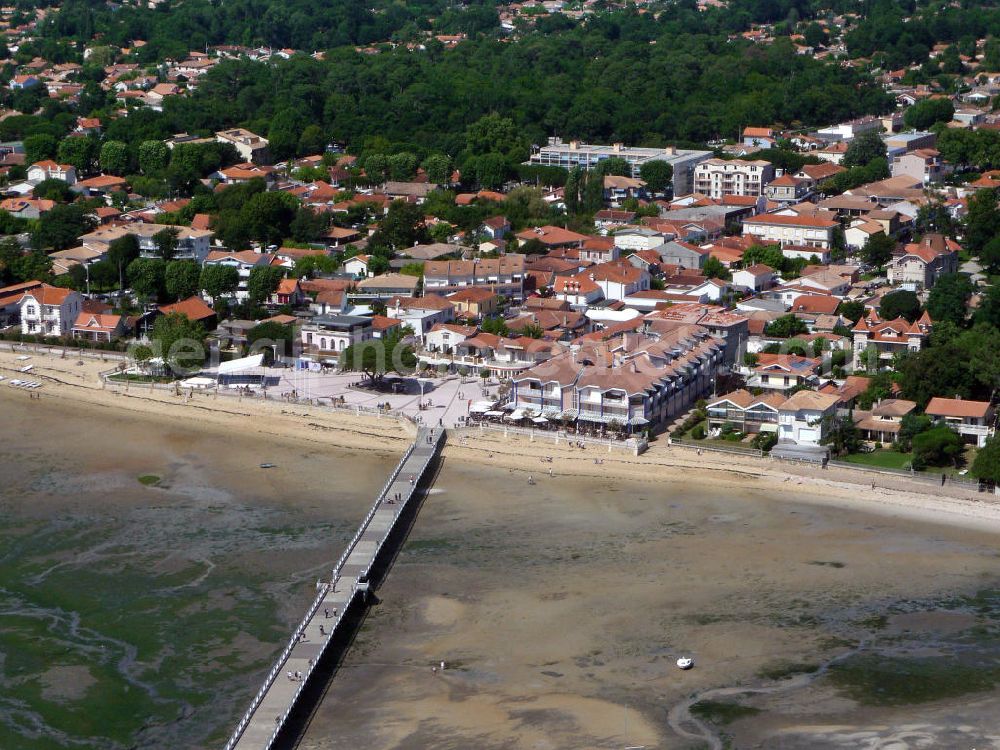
[(181, 342), (901, 303), (114, 157), (938, 446), (39, 147), (308, 225), (986, 465), (814, 35), (934, 217), (166, 242), (81, 152), (491, 171), (33, 266), (842, 436), (988, 312), (61, 227), (769, 255), (928, 112), (982, 222), (851, 310), (268, 216), (271, 334), (263, 282), (877, 250), (53, 190), (494, 325), (376, 357), (939, 369), (218, 281), (153, 156), (658, 175), (181, 279), (312, 141), (910, 426), (495, 134), (949, 299), (377, 167), (786, 326), (147, 278), (714, 269), (614, 165), (438, 168), (310, 265), (402, 166), (402, 227), (989, 256), (864, 149), (121, 252)]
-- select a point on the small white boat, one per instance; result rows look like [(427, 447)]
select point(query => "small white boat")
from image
[(685, 663), (267, 466)]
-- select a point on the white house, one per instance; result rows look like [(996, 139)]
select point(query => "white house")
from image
[(973, 420), (357, 266), (49, 311), (631, 240), (754, 278), (811, 231), (325, 337), (443, 337), (805, 417), (49, 170)]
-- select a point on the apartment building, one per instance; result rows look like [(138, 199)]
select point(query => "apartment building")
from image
[(632, 380), (718, 178), (503, 275), (576, 154), (192, 244), (807, 231), (251, 147)]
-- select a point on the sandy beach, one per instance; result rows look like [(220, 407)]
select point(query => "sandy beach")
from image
[(65, 379), (560, 606)]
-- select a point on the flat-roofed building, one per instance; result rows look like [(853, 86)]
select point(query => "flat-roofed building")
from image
[(557, 153)]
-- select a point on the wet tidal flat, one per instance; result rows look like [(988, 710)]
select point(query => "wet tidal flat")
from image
[(560, 609), (151, 570)]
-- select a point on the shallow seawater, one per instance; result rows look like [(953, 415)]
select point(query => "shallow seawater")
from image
[(561, 607), (143, 613)]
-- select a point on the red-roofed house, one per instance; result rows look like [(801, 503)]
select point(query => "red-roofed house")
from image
[(49, 170), (289, 292), (919, 265), (552, 236), (195, 310), (973, 420), (810, 231), (888, 337), (99, 326)]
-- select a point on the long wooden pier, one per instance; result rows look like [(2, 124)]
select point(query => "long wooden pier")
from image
[(322, 624)]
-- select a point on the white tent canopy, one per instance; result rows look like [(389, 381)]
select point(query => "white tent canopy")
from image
[(242, 364)]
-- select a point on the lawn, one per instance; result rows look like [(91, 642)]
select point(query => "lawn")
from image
[(881, 459)]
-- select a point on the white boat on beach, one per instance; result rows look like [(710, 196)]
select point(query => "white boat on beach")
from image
[(685, 662)]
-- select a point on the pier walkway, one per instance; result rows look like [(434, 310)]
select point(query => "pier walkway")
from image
[(270, 708)]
